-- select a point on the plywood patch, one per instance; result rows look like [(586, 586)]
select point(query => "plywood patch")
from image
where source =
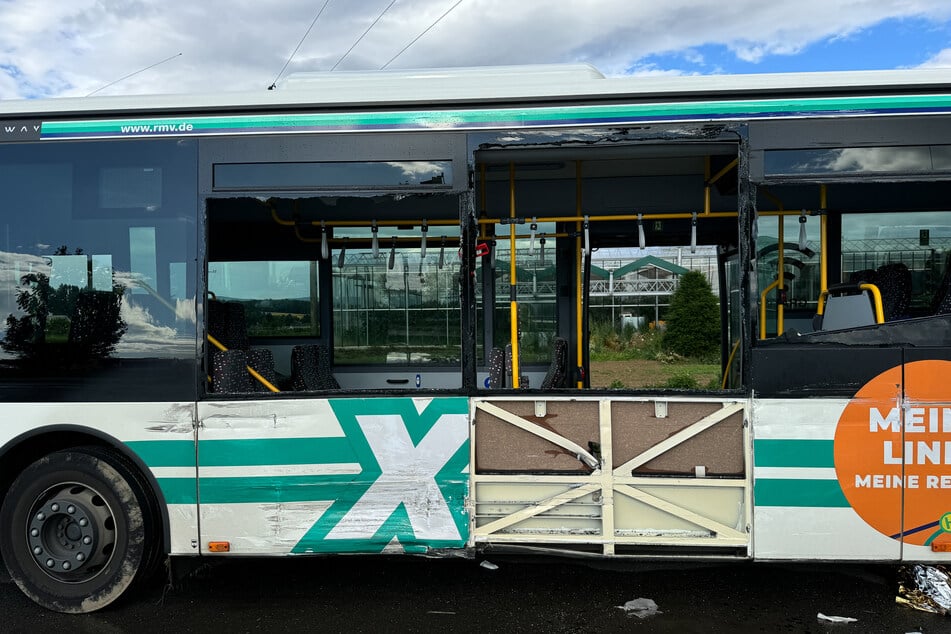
[(503, 448), (718, 449)]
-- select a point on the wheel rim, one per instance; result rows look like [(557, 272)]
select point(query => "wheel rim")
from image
[(71, 532)]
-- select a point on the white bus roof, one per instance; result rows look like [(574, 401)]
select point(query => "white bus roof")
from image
[(490, 85)]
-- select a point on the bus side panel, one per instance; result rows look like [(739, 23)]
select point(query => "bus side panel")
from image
[(334, 475), (800, 510), (927, 455), (161, 435)]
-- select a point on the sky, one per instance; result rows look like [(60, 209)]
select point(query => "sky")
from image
[(51, 48)]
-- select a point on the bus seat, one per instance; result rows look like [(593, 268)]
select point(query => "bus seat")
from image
[(558, 370), (496, 368), (310, 368), (894, 283), (262, 360), (226, 323), (941, 303), (865, 276), (229, 372), (845, 306)]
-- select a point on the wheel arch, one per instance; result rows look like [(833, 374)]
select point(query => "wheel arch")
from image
[(24, 449)]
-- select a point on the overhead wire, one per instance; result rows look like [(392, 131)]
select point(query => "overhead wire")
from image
[(425, 31), (360, 39), (141, 70), (297, 48), (363, 35)]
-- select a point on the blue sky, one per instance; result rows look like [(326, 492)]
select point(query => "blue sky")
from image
[(893, 43), (52, 48)]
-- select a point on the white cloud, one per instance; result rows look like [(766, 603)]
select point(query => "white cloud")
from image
[(941, 60), (50, 47)]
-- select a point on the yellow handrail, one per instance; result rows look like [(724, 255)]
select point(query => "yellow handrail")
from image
[(781, 267), (729, 363), (579, 278), (723, 172), (251, 370), (876, 301), (513, 291), (539, 219), (762, 307)]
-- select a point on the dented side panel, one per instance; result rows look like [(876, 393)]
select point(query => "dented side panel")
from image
[(334, 475), (160, 435)]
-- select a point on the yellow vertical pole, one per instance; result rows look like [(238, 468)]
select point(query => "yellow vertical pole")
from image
[(706, 188), (781, 265), (513, 294), (579, 277), (823, 239)]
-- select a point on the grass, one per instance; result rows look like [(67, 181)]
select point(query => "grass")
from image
[(637, 359)]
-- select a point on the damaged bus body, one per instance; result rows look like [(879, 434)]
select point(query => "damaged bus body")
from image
[(354, 315)]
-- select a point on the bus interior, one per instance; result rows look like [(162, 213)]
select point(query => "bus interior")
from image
[(411, 285)]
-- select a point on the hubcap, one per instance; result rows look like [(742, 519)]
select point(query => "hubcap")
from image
[(71, 532)]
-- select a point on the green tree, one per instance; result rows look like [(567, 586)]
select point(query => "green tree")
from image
[(693, 320), (63, 325)]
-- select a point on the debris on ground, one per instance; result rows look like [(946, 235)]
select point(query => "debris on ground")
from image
[(835, 619), (488, 565), (925, 587), (640, 607)]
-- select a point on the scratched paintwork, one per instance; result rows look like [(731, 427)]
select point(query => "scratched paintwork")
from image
[(337, 475)]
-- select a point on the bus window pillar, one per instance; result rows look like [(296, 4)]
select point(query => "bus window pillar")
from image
[(467, 302)]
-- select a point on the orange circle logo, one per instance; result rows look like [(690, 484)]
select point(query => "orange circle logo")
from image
[(887, 447)]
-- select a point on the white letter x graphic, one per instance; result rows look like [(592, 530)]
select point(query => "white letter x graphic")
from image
[(408, 477)]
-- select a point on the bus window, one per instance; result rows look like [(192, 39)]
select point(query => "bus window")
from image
[(397, 308), (536, 283), (886, 255), (916, 244), (624, 227), (280, 299), (98, 266), (345, 282), (797, 254)]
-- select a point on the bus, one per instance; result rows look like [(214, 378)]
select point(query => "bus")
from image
[(357, 314)]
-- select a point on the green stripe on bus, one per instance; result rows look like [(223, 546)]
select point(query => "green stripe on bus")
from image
[(793, 453), (273, 489), (165, 453), (275, 451), (815, 493), (448, 119), (179, 490)]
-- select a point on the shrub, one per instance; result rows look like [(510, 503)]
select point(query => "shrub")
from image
[(693, 320), (682, 381)]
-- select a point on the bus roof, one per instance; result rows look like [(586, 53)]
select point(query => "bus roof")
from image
[(536, 84)]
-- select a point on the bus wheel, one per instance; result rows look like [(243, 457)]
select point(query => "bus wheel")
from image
[(72, 533)]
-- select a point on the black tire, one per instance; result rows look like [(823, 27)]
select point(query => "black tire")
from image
[(74, 530)]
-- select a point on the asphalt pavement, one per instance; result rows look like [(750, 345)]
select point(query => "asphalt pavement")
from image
[(411, 594)]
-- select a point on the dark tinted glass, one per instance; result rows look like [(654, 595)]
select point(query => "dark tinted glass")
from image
[(864, 160), (97, 271), (328, 175)]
